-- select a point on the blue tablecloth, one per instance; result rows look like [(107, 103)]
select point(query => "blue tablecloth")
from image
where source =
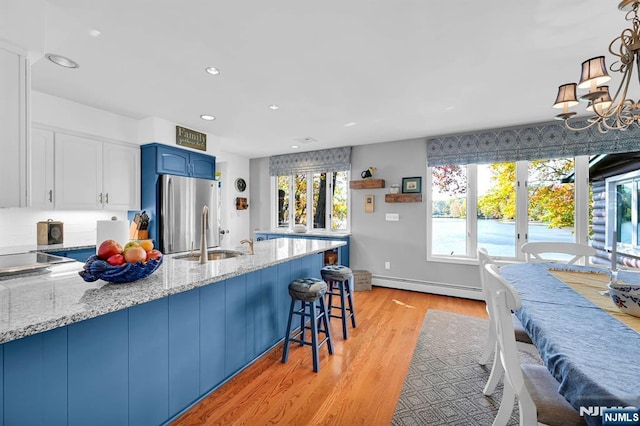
[(594, 357)]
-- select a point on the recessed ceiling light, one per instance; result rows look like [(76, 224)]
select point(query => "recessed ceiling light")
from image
[(350, 124), (94, 33), (212, 70), (449, 108), (207, 117), (273, 107), (61, 60), (306, 139), (295, 146)]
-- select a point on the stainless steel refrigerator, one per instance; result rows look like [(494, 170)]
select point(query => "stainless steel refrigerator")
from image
[(181, 203)]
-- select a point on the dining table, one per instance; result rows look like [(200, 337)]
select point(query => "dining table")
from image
[(587, 344)]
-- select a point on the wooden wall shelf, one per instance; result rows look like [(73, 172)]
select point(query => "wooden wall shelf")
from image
[(366, 184), (403, 198)]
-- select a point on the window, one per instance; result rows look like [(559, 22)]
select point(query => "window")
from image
[(499, 207), (623, 195), (324, 195)]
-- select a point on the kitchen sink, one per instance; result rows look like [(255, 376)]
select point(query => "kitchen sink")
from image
[(212, 255)]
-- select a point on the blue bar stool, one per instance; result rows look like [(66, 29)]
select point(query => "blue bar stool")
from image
[(340, 284), (310, 293)]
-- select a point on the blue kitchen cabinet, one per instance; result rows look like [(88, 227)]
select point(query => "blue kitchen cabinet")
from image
[(283, 297), (236, 353), (184, 350), (265, 300), (98, 365), (175, 161), (81, 255), (35, 369), (212, 335), (149, 363), (253, 304), (2, 387), (157, 159), (343, 252)]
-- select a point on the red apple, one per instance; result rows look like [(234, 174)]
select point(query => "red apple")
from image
[(135, 254), (115, 260), (108, 248), (153, 254)]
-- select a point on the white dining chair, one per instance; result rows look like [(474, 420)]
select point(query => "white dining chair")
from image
[(523, 341), (536, 251), (536, 389)]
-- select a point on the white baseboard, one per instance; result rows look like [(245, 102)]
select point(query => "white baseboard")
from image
[(444, 289)]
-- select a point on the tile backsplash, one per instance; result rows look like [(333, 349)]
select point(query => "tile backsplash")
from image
[(18, 226)]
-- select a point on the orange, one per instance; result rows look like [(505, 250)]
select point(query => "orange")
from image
[(147, 245)]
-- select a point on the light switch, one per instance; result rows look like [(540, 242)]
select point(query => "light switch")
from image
[(392, 217)]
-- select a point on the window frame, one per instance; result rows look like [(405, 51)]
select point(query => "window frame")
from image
[(581, 200), (329, 202), (611, 183)]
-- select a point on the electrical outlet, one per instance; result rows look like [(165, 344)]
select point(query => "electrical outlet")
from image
[(387, 265)]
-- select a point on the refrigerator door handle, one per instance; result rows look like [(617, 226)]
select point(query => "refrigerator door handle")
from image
[(169, 208)]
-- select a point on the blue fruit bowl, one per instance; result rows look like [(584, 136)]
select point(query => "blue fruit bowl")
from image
[(96, 268)]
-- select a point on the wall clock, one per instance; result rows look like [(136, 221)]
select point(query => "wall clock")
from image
[(241, 185)]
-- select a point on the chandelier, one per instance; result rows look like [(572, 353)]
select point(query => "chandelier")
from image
[(619, 112)]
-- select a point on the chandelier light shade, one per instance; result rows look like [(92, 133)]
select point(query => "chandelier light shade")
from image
[(619, 112), (594, 73)]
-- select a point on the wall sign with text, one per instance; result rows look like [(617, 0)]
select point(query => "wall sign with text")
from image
[(191, 138)]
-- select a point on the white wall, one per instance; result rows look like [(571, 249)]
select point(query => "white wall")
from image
[(236, 222), (374, 240), (260, 194), (63, 114), (18, 226)]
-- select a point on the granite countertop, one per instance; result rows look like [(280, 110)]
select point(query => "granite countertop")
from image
[(34, 303), (314, 233)]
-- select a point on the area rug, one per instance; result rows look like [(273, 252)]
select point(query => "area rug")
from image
[(444, 382)]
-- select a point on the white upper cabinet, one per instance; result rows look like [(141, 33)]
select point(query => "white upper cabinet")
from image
[(91, 175), (121, 176), (42, 178), (78, 173), (13, 128)]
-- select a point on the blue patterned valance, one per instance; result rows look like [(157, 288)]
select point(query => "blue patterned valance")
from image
[(530, 142), (326, 160)]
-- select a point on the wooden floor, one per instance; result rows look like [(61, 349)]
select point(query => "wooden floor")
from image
[(359, 384)]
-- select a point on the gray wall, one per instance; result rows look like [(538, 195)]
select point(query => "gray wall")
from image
[(374, 240)]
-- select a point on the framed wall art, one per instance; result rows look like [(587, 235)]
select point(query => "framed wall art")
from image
[(412, 185)]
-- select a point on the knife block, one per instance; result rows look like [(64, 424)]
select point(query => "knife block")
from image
[(136, 234)]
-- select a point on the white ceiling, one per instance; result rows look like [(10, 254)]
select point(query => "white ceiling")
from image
[(399, 69)]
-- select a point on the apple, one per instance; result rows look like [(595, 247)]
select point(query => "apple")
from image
[(135, 254), (108, 248), (130, 244), (116, 260), (153, 254)]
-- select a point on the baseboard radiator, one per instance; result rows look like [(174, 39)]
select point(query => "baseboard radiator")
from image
[(445, 289)]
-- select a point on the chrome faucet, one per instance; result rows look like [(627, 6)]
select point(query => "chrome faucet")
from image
[(250, 242), (203, 235)]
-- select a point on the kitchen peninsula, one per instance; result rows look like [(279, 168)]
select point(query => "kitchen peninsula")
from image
[(143, 352)]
